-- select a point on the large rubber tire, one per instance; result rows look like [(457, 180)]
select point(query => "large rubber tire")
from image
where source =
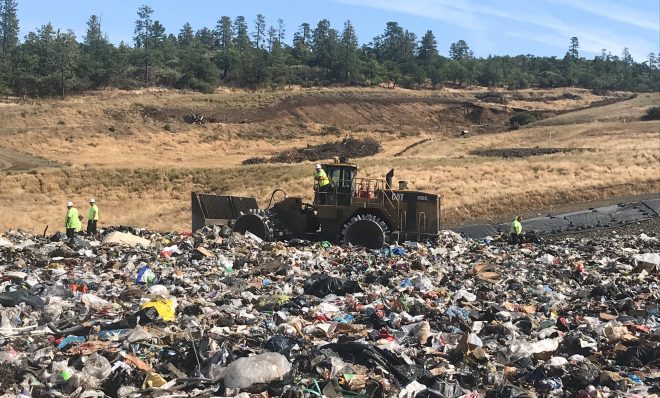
[(257, 223), (365, 230)]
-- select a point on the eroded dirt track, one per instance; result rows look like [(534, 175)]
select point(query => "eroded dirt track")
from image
[(11, 160)]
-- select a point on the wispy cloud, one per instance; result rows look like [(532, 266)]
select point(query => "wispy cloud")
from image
[(433, 9), (615, 12), (534, 22)]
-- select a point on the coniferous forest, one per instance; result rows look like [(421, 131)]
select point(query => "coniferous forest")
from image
[(251, 53)]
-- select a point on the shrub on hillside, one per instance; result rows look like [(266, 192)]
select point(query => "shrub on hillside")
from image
[(652, 113), (521, 119)]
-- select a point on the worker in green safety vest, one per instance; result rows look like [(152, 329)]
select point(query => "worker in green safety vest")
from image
[(516, 231), (93, 218), (71, 220), (323, 183)]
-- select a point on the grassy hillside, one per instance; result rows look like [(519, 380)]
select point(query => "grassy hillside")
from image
[(138, 156)]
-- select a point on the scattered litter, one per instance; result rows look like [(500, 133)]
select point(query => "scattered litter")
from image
[(199, 315)]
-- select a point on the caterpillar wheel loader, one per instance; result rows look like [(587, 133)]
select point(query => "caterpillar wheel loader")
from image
[(359, 211)]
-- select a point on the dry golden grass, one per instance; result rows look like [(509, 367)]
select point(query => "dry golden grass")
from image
[(142, 175)]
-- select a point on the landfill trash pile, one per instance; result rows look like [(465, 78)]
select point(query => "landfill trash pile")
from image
[(348, 147), (220, 314)]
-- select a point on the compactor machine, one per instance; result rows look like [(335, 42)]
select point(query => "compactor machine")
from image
[(365, 212)]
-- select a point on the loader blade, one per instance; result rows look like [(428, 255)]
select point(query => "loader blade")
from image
[(209, 209)]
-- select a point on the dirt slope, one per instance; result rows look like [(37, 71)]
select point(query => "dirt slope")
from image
[(140, 156)]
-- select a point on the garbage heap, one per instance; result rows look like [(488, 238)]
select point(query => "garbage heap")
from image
[(219, 314)]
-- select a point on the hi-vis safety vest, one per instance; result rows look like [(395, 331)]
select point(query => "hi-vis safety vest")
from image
[(322, 178), (93, 213), (516, 227), (71, 220)]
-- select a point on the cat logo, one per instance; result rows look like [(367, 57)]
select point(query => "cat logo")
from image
[(397, 196)]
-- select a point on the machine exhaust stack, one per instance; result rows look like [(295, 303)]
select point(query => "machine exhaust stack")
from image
[(388, 179)]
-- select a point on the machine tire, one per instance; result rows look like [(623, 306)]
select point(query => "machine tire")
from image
[(365, 230), (256, 222)]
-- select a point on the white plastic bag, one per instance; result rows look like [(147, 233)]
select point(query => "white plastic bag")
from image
[(244, 372)]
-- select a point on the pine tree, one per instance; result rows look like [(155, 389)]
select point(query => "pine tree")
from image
[(67, 49), (428, 48), (302, 42), (281, 30), (186, 36), (241, 39), (349, 57), (460, 51), (224, 33), (324, 44), (97, 64), (259, 34), (142, 38), (8, 26), (573, 48), (8, 39), (272, 38)]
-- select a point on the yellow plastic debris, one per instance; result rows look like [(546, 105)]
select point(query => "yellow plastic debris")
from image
[(165, 308), (153, 380)]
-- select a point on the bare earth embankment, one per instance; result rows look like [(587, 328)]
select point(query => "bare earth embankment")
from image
[(141, 153)]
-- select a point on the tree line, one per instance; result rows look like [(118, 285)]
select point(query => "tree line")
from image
[(236, 52)]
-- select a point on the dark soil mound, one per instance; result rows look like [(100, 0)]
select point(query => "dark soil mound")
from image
[(521, 152), (348, 147)]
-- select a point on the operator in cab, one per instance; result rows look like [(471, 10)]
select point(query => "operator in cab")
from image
[(323, 183)]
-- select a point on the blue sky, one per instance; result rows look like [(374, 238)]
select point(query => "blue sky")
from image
[(538, 27)]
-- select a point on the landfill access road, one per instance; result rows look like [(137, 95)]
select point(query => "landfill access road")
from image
[(570, 222)]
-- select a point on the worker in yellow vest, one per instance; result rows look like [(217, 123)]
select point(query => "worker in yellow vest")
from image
[(323, 183), (93, 218), (516, 231), (71, 220)]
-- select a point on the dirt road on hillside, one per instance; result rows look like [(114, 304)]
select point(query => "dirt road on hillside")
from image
[(11, 160)]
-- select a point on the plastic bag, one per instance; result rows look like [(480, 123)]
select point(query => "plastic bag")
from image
[(97, 368), (95, 302), (244, 372), (322, 285), (138, 334), (145, 275)]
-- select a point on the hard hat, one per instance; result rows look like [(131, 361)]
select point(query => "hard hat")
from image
[(69, 204), (318, 166), (92, 200)]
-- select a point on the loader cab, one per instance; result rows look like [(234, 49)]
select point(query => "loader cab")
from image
[(342, 185)]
